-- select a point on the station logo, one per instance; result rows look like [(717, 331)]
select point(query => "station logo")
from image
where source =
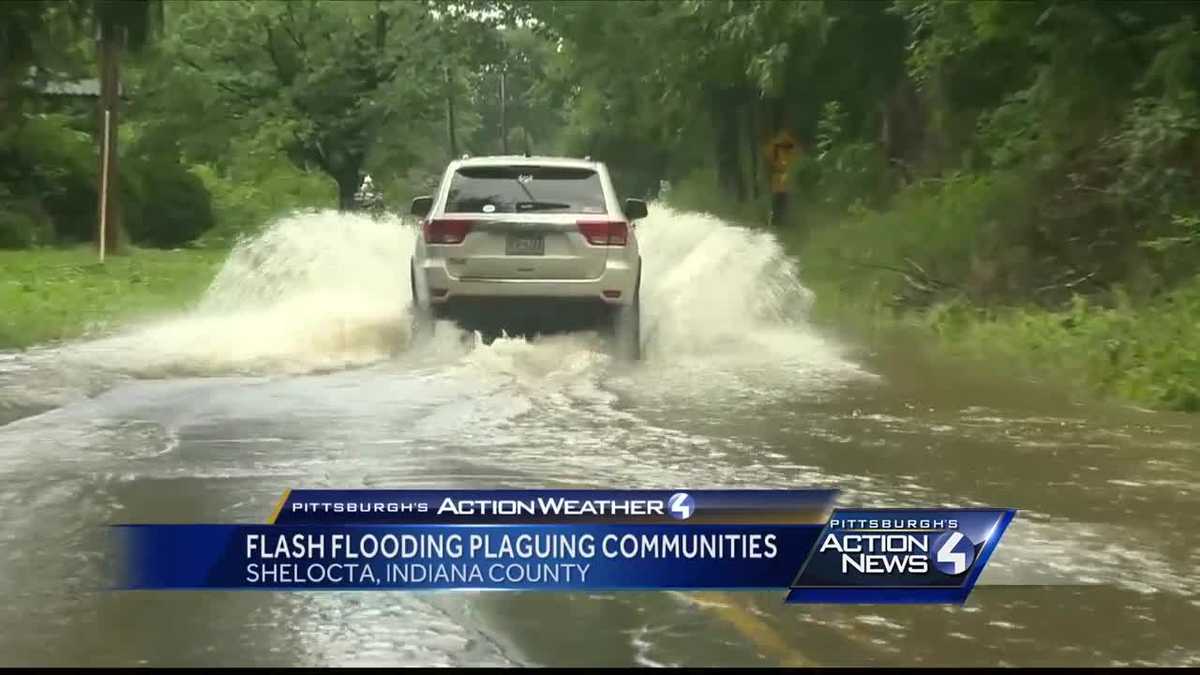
[(955, 553), (894, 555), (681, 506)]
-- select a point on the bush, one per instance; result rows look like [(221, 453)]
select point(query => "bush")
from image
[(166, 206), (247, 195), (697, 191), (48, 171), (841, 172), (961, 235), (1137, 351), (45, 160), (22, 226)]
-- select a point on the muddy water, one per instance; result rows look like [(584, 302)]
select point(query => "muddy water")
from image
[(294, 371)]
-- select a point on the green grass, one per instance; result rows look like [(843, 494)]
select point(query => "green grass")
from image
[(1145, 352), (49, 295)]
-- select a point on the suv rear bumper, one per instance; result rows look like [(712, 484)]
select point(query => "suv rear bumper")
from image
[(616, 286), (526, 315)]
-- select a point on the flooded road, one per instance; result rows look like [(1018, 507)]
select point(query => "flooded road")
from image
[(294, 372)]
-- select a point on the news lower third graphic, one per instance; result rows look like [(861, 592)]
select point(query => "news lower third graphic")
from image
[(576, 540)]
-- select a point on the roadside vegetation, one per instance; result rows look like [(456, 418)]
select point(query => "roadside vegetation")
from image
[(49, 295), (1019, 178)]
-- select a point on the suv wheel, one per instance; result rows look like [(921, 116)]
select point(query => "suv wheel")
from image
[(421, 327), (627, 329)]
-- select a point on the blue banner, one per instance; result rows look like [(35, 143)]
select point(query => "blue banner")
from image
[(516, 557), (561, 540), (377, 507)]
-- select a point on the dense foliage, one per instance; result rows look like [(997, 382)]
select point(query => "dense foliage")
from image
[(1061, 135), (1011, 173)]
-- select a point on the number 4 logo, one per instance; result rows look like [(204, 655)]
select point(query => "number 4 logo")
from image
[(681, 505), (954, 553)]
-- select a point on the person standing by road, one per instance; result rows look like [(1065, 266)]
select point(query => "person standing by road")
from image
[(780, 151), (368, 198)]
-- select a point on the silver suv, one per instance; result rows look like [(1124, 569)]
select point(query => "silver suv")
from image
[(527, 246)]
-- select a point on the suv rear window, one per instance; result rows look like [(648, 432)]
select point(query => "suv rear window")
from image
[(525, 189)]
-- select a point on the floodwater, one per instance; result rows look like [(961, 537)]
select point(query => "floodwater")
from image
[(295, 371)]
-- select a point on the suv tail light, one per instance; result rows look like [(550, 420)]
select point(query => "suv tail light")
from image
[(604, 232), (445, 231)]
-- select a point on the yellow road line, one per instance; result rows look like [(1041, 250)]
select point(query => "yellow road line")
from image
[(755, 629)]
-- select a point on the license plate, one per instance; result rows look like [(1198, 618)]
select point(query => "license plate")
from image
[(525, 244)]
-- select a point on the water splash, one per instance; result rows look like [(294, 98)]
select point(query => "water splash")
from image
[(325, 290), (314, 291), (712, 292)]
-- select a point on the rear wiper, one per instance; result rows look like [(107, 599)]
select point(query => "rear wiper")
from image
[(539, 206)]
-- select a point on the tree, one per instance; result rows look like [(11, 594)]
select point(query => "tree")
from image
[(20, 22), (323, 81), (468, 46), (119, 24), (532, 114), (317, 79)]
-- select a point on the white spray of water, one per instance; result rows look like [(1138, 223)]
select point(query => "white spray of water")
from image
[(710, 290), (313, 291), (724, 317), (326, 290)]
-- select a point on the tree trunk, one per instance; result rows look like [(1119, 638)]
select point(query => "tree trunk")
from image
[(348, 182), (108, 58), (4, 100), (902, 129), (503, 120), (728, 150), (381, 26), (754, 136)]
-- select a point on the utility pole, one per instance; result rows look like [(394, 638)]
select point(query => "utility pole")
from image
[(450, 115), (503, 110), (109, 38), (105, 159)]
